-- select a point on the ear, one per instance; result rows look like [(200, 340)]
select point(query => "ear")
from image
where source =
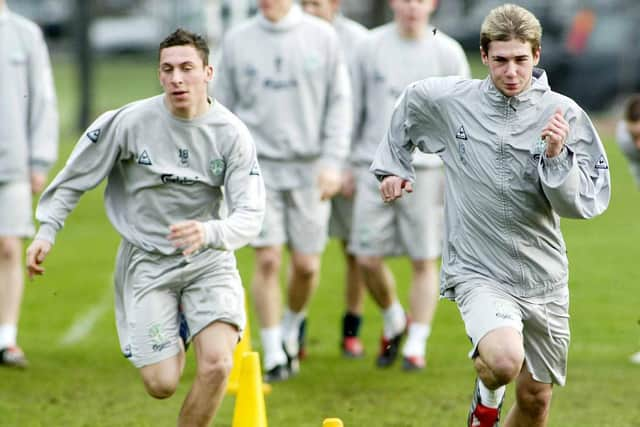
[(536, 55), (484, 55), (208, 72)]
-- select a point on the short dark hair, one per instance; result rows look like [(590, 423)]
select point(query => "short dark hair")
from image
[(632, 110), (182, 37)]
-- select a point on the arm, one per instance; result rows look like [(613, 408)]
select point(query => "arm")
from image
[(43, 114), (574, 175), (224, 83)]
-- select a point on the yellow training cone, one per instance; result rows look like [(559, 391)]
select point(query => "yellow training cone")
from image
[(332, 422), (250, 410)]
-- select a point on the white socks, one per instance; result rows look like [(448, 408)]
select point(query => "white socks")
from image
[(395, 320), (291, 322), (416, 343), (8, 335), (272, 347), (490, 398)]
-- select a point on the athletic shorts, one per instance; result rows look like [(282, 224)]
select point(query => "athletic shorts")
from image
[(296, 217), (16, 214), (412, 225), (544, 325), (150, 289), (341, 217)]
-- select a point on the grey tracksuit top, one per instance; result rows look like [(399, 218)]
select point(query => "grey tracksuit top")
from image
[(629, 149), (162, 170), (288, 82), (503, 197), (385, 64), (28, 114)]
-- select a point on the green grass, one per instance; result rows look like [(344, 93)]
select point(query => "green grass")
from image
[(90, 384)]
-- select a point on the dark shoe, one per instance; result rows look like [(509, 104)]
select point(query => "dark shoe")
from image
[(413, 363), (276, 374), (389, 350), (13, 357), (352, 347), (480, 415)]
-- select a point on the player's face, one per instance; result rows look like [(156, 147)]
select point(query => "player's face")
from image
[(412, 15), (510, 65), (634, 130), (274, 10), (184, 78), (324, 9)]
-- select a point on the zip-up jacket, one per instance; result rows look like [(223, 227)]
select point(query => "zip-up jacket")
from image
[(503, 196)]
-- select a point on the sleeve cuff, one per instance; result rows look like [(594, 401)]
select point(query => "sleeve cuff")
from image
[(46, 232), (557, 161)]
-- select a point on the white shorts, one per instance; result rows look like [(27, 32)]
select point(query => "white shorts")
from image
[(544, 325), (296, 217), (412, 225), (16, 217), (341, 218), (150, 288)]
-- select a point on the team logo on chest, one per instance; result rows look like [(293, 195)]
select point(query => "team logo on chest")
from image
[(216, 167), (183, 155)]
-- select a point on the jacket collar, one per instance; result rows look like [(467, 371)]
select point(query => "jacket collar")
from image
[(290, 20), (539, 86)]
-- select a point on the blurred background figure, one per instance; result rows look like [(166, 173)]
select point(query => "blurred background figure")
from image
[(393, 56), (283, 73), (350, 34), (28, 149)]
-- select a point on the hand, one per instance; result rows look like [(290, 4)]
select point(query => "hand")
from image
[(190, 236), (555, 133), (329, 183), (391, 188), (348, 188), (36, 253), (38, 180)]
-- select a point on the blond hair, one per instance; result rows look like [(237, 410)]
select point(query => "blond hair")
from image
[(509, 22)]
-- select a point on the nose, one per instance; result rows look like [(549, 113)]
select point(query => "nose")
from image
[(176, 77), (511, 69)]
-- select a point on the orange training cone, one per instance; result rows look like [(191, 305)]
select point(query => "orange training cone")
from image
[(250, 410), (332, 422)]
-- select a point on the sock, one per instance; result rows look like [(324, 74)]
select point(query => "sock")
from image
[(8, 335), (351, 324), (291, 322), (416, 344), (272, 347), (395, 321), (490, 398)]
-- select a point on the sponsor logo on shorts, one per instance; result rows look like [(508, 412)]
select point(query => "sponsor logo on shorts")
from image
[(158, 337)]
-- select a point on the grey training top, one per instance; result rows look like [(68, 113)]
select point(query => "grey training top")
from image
[(162, 170), (503, 197), (288, 82), (28, 114), (385, 64), (631, 152)]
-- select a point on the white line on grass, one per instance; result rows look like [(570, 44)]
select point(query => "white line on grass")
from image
[(85, 323)]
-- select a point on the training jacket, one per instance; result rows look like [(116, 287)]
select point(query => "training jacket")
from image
[(385, 64), (288, 82), (503, 196), (28, 114), (629, 149), (161, 170)]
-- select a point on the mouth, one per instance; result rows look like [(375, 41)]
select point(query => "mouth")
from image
[(179, 93)]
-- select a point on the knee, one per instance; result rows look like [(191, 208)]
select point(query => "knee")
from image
[(370, 264), (215, 368), (306, 267), (268, 262), (535, 401), (505, 366), (160, 386), (10, 248)]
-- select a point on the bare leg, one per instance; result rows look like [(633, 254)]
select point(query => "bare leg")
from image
[(379, 280), (533, 401), (214, 347), (424, 291), (355, 287), (303, 280), (11, 282), (500, 357), (266, 286), (161, 379)]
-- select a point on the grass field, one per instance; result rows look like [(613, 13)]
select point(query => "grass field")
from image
[(78, 378)]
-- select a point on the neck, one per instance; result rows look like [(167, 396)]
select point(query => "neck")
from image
[(191, 112), (278, 14), (412, 33)]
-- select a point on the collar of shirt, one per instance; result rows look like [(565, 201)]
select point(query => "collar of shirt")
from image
[(291, 19), (539, 85)]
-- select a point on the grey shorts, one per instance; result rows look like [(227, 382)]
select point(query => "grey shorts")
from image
[(16, 217), (296, 217), (412, 225), (543, 324), (151, 288), (341, 218)]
